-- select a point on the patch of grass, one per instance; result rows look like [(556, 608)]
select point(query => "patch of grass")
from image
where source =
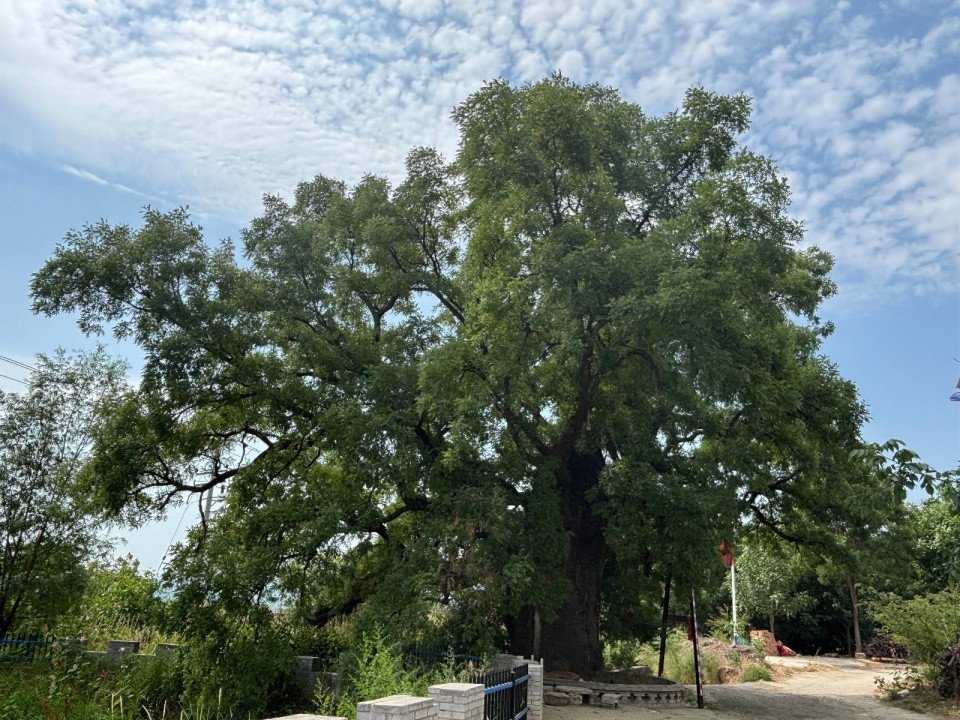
[(925, 701), (70, 687), (374, 669), (754, 672), (910, 689), (719, 664)]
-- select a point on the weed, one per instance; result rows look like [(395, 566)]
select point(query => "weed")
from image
[(754, 672)]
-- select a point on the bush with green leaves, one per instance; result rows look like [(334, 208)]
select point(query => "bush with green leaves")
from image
[(621, 654), (375, 669), (926, 625), (754, 672), (678, 659), (249, 673), (721, 626), (719, 662), (73, 686)]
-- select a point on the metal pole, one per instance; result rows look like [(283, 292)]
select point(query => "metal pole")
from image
[(733, 591), (209, 504), (696, 648)]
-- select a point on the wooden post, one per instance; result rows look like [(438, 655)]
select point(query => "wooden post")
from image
[(696, 647)]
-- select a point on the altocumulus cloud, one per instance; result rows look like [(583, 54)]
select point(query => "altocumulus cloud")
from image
[(215, 103)]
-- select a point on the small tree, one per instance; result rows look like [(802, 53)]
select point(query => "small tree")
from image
[(768, 581), (46, 535)]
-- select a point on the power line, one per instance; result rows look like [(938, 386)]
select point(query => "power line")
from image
[(18, 363), (170, 544), (22, 382)]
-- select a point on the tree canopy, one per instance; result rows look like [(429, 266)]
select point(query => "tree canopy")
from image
[(513, 390), (47, 529)]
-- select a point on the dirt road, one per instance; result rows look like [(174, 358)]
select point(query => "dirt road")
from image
[(822, 690)]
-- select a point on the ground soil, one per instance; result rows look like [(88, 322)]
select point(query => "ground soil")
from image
[(804, 689)]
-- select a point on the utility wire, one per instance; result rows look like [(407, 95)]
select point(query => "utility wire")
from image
[(170, 544), (18, 363), (22, 382)]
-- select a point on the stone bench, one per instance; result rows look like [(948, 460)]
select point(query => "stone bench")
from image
[(564, 692)]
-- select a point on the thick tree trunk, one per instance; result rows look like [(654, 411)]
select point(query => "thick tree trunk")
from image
[(855, 605), (571, 641), (771, 614)]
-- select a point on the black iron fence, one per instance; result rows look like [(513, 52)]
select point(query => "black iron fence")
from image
[(25, 647), (505, 692)]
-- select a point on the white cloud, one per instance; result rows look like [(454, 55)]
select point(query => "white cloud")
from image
[(87, 175), (215, 104)]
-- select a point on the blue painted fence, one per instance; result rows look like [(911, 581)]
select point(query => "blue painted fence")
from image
[(505, 693), (26, 647)]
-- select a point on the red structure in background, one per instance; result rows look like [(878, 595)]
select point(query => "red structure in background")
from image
[(726, 554)]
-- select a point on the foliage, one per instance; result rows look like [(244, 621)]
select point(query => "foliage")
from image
[(854, 542), (249, 674), (82, 687), (910, 679), (78, 687), (937, 545), (925, 625), (620, 654), (525, 386), (47, 530), (903, 470), (121, 590), (678, 659), (948, 673), (80, 691), (767, 581), (374, 669), (720, 625), (119, 601), (883, 647), (754, 672), (912, 690)]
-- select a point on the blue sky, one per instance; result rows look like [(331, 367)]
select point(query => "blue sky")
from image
[(107, 105)]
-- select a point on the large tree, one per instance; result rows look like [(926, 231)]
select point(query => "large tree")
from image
[(518, 386)]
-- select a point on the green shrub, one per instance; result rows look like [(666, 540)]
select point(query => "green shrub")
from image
[(248, 675), (926, 625), (678, 659), (76, 687), (754, 672), (374, 669), (620, 654), (721, 626)]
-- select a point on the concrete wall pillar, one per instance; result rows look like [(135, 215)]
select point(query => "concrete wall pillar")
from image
[(535, 691), (458, 701), (167, 650), (119, 648), (398, 707)]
